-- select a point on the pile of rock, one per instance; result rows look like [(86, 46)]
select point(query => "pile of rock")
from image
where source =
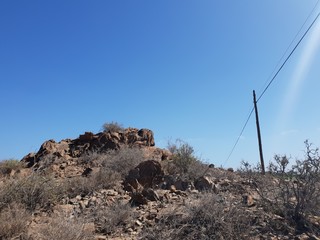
[(101, 142)]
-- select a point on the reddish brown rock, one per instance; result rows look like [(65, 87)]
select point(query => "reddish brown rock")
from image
[(146, 136), (89, 142), (204, 184), (146, 173)]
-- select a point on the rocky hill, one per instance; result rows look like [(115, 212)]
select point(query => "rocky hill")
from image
[(119, 185)]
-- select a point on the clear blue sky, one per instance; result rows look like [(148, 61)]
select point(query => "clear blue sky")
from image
[(184, 69)]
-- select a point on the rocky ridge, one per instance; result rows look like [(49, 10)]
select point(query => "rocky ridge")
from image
[(147, 202)]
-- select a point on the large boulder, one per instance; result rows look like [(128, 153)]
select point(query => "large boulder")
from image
[(29, 160), (147, 174), (51, 147), (146, 136), (48, 148), (205, 184)]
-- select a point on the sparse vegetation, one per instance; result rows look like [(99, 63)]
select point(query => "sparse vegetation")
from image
[(14, 220), (119, 161), (207, 217), (91, 195), (292, 193), (184, 163), (32, 192), (113, 217), (61, 227), (9, 166), (299, 188), (123, 160), (103, 179), (112, 127)]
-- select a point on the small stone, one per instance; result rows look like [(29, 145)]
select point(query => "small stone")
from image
[(129, 230), (138, 223), (111, 192), (248, 200), (78, 197), (100, 237)]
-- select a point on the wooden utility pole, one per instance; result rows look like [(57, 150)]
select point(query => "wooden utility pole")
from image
[(259, 134)]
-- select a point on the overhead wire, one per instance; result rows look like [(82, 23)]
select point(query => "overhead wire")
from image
[(291, 43), (240, 135), (276, 74), (286, 60)]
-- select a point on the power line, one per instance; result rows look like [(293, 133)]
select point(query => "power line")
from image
[(275, 75), (242, 130), (291, 43), (285, 61)]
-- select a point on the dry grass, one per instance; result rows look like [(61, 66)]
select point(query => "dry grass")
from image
[(123, 160), (204, 218), (33, 191), (112, 218), (103, 179), (112, 127), (120, 161), (14, 220), (63, 228), (293, 193), (8, 166)]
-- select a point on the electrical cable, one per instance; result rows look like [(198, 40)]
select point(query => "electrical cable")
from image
[(286, 60), (275, 75), (242, 130), (291, 43)]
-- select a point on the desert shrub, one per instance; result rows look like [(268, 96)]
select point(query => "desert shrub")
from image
[(77, 186), (250, 172), (113, 217), (213, 219), (112, 127), (114, 166), (7, 166), (14, 220), (184, 163), (106, 178), (279, 165), (195, 169), (92, 159), (103, 179), (33, 191), (119, 161), (183, 155), (46, 162), (205, 218), (293, 192), (60, 227), (123, 160), (299, 187)]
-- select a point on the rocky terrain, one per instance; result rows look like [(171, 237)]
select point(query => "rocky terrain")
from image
[(117, 184)]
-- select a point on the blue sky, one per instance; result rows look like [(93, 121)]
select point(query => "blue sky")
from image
[(184, 69)]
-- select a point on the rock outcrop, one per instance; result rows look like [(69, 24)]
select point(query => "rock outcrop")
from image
[(100, 143), (146, 174)]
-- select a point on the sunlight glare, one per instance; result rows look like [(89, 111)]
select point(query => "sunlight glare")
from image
[(299, 76)]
